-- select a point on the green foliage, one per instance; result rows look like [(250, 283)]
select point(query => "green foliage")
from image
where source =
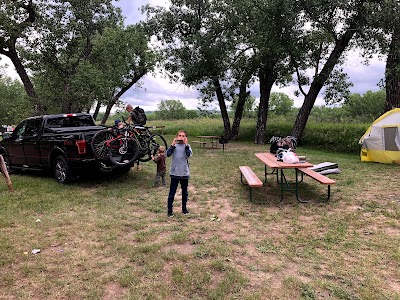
[(325, 114), (329, 136), (280, 104), (59, 55), (170, 110), (334, 137), (249, 106), (14, 104), (366, 107), (192, 114), (84, 55)]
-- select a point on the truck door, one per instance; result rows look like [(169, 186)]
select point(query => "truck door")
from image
[(31, 143), (16, 147)]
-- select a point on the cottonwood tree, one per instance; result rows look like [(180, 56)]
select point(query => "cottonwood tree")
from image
[(170, 110), (269, 29), (383, 36), (14, 103), (332, 25), (60, 51), (280, 104), (194, 47), (16, 26), (222, 45), (122, 57)]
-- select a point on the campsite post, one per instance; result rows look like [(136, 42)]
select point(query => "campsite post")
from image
[(3, 170)]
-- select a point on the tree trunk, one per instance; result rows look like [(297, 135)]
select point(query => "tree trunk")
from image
[(108, 110), (115, 98), (96, 110), (7, 48), (392, 72), (243, 94), (321, 78), (29, 88), (267, 79), (224, 111), (66, 104)]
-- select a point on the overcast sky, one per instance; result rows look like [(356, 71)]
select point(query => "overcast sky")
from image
[(155, 88)]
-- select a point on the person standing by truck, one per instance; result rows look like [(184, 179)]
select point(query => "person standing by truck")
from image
[(180, 151)]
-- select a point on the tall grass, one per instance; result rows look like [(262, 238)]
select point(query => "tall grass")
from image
[(333, 137), (108, 236)]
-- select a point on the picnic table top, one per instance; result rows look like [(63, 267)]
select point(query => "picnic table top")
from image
[(209, 136), (271, 161)]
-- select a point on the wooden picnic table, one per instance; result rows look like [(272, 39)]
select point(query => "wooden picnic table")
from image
[(158, 127), (278, 167), (213, 139)]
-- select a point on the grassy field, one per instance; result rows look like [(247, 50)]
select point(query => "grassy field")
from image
[(108, 237)]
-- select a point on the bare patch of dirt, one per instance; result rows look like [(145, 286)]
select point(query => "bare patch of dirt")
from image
[(180, 248), (113, 290), (226, 210)]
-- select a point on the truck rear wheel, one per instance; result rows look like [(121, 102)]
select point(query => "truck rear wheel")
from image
[(62, 171)]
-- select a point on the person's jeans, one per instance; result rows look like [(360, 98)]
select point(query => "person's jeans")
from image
[(159, 176), (172, 190)]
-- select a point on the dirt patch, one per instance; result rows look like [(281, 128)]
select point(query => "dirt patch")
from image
[(226, 210), (113, 290), (183, 249)]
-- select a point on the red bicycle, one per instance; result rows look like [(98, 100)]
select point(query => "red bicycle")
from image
[(126, 145)]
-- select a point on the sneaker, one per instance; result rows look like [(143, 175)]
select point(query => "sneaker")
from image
[(185, 212), (170, 215)]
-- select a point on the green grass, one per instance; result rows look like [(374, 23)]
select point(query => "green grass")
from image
[(108, 237)]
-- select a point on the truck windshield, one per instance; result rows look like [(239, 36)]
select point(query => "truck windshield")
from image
[(70, 121)]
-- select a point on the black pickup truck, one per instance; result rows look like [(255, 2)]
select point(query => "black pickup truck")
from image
[(60, 143)]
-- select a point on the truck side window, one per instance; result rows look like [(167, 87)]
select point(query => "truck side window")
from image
[(32, 128), (19, 130)]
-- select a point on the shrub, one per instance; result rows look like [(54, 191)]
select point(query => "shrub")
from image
[(330, 136)]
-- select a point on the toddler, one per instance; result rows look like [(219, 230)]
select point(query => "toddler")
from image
[(161, 166)]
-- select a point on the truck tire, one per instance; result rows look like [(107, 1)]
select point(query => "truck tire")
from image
[(62, 171)]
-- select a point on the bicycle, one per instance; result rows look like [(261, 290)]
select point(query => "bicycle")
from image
[(123, 146), (148, 143), (124, 149)]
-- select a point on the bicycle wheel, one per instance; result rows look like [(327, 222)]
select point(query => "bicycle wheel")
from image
[(99, 143), (155, 141), (123, 151)]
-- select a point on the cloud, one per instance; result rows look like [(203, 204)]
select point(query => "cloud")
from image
[(364, 77), (156, 88)]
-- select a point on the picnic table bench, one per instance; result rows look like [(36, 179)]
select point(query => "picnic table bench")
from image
[(251, 178), (318, 177), (201, 143)]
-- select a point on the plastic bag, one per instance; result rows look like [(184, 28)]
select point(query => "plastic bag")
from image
[(290, 157)]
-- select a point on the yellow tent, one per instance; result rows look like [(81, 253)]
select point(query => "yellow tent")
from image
[(381, 141)]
